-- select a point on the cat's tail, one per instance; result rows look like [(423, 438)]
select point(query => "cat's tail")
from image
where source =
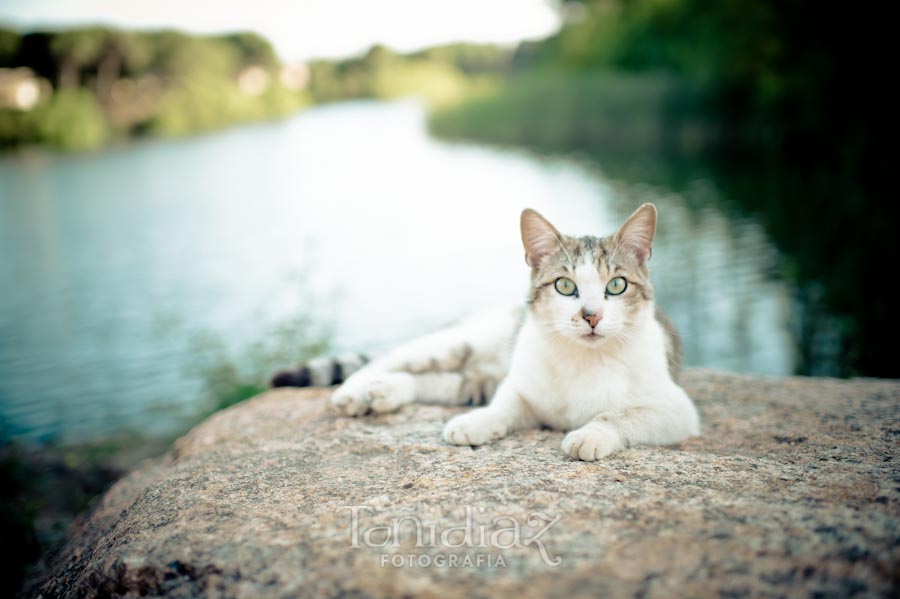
[(320, 372)]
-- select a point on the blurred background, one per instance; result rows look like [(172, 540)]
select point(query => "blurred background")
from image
[(194, 195)]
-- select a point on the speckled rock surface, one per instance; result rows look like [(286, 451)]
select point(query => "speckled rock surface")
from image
[(792, 490)]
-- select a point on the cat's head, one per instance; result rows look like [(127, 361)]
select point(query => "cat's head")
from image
[(589, 289)]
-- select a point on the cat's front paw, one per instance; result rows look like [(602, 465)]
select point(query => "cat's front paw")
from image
[(592, 441), (475, 428), (379, 394)]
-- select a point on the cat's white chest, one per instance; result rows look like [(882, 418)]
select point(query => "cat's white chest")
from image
[(567, 393)]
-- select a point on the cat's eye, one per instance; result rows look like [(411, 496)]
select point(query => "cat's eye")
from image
[(616, 286), (565, 286)]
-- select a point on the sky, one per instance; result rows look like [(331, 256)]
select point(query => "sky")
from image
[(302, 29)]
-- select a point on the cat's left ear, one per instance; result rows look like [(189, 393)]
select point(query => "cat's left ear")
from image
[(637, 233)]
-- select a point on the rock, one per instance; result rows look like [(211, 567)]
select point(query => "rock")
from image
[(792, 489)]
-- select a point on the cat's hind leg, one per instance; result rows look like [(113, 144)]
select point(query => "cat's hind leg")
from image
[(380, 392), (403, 374), (459, 365), (388, 391)]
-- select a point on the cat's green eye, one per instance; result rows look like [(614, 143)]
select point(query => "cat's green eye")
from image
[(565, 286), (616, 286)]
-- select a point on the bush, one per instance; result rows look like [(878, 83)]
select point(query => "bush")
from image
[(205, 103), (561, 110), (72, 120), (16, 127), (231, 374)]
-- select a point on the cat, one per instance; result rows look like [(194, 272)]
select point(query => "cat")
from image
[(588, 354)]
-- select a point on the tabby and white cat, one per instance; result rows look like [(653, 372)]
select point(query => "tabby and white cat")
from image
[(589, 354)]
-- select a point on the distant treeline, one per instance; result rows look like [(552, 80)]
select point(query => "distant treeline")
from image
[(94, 84), (91, 85), (441, 76)]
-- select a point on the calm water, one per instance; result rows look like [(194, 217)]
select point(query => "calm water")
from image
[(110, 264)]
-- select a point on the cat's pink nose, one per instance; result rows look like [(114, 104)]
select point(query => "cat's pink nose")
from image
[(592, 317)]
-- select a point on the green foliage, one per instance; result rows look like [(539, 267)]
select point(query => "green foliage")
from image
[(129, 53), (16, 127), (564, 110), (43, 489), (471, 59), (71, 121), (438, 84), (731, 39), (776, 70), (181, 56), (9, 47), (17, 513), (233, 374), (75, 50), (440, 76), (252, 49), (205, 102)]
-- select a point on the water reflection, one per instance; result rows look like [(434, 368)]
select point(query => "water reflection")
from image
[(109, 263)]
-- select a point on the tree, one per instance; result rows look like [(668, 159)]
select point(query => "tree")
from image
[(9, 47), (75, 50)]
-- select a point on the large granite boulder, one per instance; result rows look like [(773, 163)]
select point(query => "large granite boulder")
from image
[(793, 489)]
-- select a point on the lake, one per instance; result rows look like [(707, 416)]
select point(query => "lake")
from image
[(113, 264)]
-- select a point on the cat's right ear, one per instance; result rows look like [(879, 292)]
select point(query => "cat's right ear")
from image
[(539, 237)]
